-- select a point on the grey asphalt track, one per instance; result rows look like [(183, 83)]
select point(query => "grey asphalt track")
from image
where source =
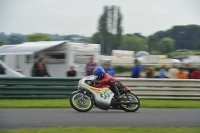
[(37, 118)]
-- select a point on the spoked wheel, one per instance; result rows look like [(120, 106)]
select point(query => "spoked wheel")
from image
[(131, 98), (81, 102)]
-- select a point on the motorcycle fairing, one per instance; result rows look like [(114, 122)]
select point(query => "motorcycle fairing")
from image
[(102, 96)]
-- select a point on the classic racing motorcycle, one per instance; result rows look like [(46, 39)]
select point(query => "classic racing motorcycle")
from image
[(103, 98)]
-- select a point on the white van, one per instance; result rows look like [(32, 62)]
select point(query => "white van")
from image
[(60, 55)]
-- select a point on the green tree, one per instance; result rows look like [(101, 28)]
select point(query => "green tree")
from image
[(96, 38), (14, 39), (198, 45), (155, 52), (1, 42), (110, 30), (153, 43), (134, 43), (3, 37), (166, 45), (185, 36), (38, 37), (139, 35), (119, 31), (103, 29)]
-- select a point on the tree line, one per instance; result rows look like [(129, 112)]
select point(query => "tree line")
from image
[(184, 37), (16, 38), (110, 35)]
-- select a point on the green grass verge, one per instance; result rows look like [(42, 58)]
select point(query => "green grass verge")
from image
[(64, 103), (104, 130)]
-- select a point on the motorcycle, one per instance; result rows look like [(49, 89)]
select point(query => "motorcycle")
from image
[(103, 98)]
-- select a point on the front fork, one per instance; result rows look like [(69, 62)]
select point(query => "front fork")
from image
[(84, 93)]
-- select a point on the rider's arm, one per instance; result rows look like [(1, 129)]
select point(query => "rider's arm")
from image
[(105, 80)]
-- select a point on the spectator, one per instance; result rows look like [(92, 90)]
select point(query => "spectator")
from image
[(172, 71), (109, 69), (2, 70), (181, 74), (40, 69), (188, 70), (196, 74), (136, 70), (71, 72), (163, 72), (150, 72), (90, 66)]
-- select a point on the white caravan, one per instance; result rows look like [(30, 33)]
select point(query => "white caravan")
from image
[(60, 55), (122, 57)]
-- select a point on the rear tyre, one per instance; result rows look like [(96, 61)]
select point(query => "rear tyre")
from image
[(130, 107), (81, 102)]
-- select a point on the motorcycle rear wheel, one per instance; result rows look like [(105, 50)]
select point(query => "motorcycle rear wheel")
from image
[(130, 107), (81, 102)]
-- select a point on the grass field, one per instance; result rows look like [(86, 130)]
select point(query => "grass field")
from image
[(104, 130), (64, 103)]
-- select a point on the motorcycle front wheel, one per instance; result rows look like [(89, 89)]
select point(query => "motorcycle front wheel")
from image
[(131, 98), (81, 102)]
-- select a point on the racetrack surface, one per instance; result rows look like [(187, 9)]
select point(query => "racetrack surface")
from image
[(32, 118)]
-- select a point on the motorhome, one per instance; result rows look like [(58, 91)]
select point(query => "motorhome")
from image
[(157, 60), (122, 57), (192, 60), (59, 55)]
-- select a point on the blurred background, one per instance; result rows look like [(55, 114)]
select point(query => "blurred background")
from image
[(145, 39), (154, 32)]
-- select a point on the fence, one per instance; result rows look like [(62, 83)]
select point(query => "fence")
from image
[(62, 87), (37, 87), (164, 88)]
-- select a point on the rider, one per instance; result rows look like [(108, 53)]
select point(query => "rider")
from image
[(104, 78)]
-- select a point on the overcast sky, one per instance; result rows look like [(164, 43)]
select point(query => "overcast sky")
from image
[(81, 16)]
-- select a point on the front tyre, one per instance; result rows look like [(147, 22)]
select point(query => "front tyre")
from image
[(81, 102), (131, 98)]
